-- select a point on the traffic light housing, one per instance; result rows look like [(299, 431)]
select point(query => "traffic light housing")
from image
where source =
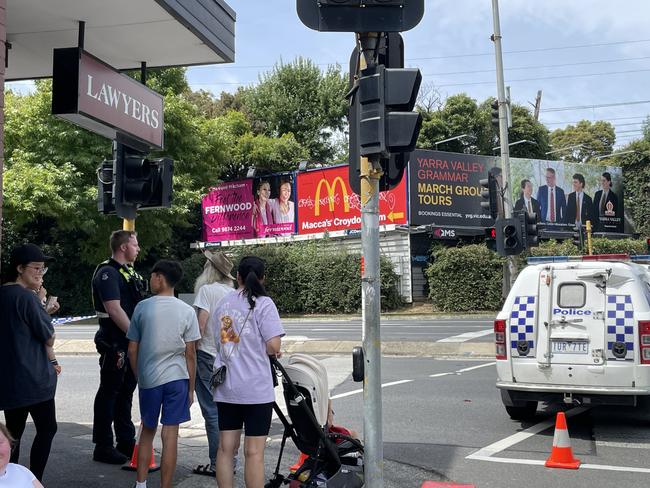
[(105, 180), (494, 114), (530, 230), (140, 183), (647, 243), (491, 238), (509, 236), (387, 122), (360, 15), (579, 237), (490, 195)]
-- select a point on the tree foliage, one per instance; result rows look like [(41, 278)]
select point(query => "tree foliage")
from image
[(583, 141), (299, 99), (461, 114)]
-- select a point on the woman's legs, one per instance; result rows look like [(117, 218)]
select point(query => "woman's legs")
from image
[(44, 417), (254, 461), (15, 420), (228, 445)]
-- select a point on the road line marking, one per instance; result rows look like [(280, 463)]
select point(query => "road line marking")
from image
[(438, 375), (354, 392), (624, 445), (537, 462), (472, 368), (518, 437), (468, 336)]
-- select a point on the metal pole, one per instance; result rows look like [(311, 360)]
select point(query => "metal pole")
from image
[(511, 270), (370, 309), (590, 248)]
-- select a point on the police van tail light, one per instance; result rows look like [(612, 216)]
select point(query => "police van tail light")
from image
[(644, 341), (500, 339)]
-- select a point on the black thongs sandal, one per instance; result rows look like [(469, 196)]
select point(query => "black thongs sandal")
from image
[(205, 470)]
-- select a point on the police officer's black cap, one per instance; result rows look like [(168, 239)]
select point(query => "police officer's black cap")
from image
[(29, 253)]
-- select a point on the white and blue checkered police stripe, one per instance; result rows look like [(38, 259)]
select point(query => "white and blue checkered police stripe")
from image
[(619, 325), (522, 326), (66, 320)]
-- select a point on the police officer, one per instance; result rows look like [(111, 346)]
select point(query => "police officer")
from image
[(117, 288)]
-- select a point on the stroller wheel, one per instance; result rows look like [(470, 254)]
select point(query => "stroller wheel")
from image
[(277, 481)]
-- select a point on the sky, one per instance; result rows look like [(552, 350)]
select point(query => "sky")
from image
[(580, 53)]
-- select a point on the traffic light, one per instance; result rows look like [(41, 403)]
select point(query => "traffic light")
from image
[(390, 54), (105, 203), (491, 238), (494, 114), (490, 195), (360, 15), (509, 236), (579, 237), (530, 231), (141, 183)]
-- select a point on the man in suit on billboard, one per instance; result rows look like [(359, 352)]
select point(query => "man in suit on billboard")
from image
[(605, 202), (552, 202), (526, 201), (579, 205)]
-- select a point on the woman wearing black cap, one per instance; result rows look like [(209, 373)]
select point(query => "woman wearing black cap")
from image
[(28, 382)]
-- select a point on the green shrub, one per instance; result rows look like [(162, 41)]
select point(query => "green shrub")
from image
[(309, 278), (600, 246), (467, 278)]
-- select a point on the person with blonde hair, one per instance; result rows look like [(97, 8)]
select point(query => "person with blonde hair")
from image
[(13, 475), (210, 287)]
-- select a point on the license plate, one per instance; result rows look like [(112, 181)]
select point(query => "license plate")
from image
[(569, 347)]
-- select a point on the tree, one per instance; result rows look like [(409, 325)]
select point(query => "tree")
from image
[(299, 98), (460, 115), (636, 170), (583, 141)]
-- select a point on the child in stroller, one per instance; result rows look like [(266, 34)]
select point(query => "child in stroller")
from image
[(334, 457)]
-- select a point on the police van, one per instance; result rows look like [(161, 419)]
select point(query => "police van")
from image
[(575, 330)]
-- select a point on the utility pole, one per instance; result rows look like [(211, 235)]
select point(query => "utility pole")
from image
[(538, 104), (510, 270), (370, 175)]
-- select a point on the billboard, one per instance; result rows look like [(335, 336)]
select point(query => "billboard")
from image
[(445, 188), (251, 208), (326, 203), (445, 191)]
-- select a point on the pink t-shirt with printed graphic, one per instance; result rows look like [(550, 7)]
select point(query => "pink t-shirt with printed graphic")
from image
[(241, 337)]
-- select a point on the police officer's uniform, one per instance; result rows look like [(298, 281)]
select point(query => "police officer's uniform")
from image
[(114, 281)]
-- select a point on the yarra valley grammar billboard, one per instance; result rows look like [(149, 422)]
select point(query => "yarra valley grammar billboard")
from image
[(445, 191)]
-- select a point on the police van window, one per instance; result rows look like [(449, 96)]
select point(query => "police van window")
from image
[(572, 295), (646, 290)]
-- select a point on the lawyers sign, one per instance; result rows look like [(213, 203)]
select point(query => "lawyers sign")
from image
[(89, 93)]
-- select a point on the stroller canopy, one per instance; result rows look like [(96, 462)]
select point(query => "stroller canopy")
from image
[(309, 373)]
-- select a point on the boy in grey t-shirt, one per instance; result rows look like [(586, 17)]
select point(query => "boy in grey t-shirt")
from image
[(162, 335)]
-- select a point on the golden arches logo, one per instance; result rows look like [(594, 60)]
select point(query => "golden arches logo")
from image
[(330, 194)]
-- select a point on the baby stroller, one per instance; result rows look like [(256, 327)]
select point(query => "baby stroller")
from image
[(334, 460)]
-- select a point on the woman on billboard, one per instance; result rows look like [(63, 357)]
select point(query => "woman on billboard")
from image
[(282, 208), (262, 214)]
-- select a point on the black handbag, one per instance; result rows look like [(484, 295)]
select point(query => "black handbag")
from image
[(218, 377)]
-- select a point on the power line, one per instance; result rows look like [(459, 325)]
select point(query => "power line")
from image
[(449, 73), (606, 120), (584, 75), (448, 56), (589, 107)]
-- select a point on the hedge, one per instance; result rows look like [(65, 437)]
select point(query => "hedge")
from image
[(469, 278), (309, 278)]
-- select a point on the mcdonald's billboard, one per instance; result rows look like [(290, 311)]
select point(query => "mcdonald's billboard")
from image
[(326, 203)]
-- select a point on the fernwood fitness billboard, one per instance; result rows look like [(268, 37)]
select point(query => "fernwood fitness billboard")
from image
[(445, 191)]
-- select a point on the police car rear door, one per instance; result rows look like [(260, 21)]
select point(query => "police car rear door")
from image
[(575, 317)]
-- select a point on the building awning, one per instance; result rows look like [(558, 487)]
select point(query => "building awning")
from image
[(123, 33)]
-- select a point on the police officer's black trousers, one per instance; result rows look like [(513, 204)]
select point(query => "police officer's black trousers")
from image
[(114, 400)]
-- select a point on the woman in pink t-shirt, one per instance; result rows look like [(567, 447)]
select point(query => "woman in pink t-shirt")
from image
[(247, 330)]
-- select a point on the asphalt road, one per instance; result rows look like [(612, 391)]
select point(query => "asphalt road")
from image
[(443, 421), (402, 329)]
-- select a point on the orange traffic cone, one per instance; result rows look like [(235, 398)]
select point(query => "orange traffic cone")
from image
[(303, 457), (133, 463), (561, 454)]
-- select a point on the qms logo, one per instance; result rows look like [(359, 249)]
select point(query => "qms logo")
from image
[(441, 233)]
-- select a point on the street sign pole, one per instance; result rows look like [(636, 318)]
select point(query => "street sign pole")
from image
[(370, 174), (510, 270)]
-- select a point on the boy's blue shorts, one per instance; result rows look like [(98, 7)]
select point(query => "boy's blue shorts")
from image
[(174, 399)]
